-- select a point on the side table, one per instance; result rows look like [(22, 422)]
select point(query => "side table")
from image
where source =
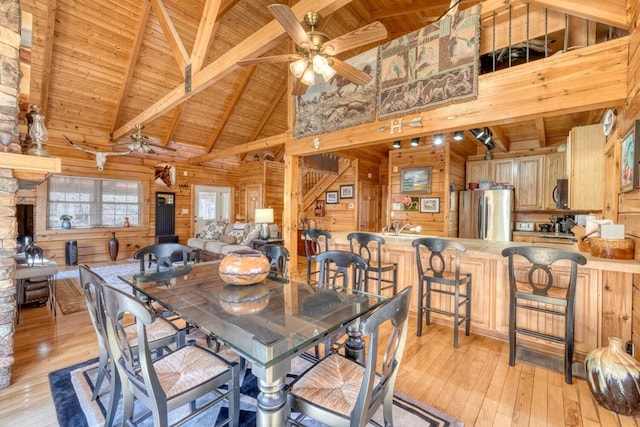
[(47, 270), (256, 243)]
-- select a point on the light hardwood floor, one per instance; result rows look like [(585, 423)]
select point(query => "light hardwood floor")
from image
[(473, 383)]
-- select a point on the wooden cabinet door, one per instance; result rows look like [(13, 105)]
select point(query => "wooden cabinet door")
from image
[(554, 168), (477, 170), (502, 171), (528, 186), (586, 173)]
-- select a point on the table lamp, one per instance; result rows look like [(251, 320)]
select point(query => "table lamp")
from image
[(265, 217)]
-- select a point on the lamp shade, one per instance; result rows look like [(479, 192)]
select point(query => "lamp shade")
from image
[(264, 215)]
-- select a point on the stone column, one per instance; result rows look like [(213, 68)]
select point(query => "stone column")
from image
[(9, 92)]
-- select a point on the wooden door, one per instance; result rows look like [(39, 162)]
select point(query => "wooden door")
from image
[(254, 200), (368, 207)]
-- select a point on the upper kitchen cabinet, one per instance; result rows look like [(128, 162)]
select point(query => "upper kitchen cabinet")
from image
[(585, 168), (497, 170), (554, 169), (529, 183)]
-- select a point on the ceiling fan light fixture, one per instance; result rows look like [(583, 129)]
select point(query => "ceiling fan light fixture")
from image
[(328, 73), (319, 63), (298, 67), (308, 77)]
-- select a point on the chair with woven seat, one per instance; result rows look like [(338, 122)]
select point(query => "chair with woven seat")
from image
[(369, 246), (172, 380), (443, 278), (315, 242), (162, 334), (334, 265), (341, 392), (164, 254), (533, 286), (278, 257)]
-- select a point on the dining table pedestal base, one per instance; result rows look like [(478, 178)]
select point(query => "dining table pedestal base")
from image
[(272, 399)]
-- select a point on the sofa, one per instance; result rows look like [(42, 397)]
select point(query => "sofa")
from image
[(220, 237)]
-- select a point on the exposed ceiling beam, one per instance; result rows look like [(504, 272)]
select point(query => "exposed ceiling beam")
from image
[(541, 131), (607, 12), (133, 58), (501, 140), (257, 43), (420, 7), (236, 94), (170, 32), (52, 7), (176, 113), (270, 142), (205, 34)]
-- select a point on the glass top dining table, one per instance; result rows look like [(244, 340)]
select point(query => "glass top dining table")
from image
[(266, 323)]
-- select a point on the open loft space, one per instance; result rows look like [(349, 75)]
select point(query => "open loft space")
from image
[(471, 132)]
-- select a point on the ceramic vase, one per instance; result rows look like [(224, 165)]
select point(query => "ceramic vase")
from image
[(244, 267), (114, 245), (614, 378)]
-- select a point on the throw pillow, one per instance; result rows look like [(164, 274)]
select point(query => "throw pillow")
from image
[(227, 238), (252, 235)]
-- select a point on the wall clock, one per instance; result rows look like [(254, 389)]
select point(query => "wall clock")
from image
[(609, 121)]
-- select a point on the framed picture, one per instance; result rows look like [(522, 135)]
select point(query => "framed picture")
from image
[(331, 197), (415, 180), (629, 154), (410, 203), (346, 191), (430, 204)]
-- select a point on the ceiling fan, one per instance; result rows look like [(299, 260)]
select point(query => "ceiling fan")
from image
[(315, 51), (141, 143)]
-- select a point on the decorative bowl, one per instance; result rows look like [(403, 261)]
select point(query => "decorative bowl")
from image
[(244, 267), (237, 299), (473, 186)]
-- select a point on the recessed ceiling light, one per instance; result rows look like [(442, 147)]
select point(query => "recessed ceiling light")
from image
[(458, 135), (396, 144), (438, 139), (415, 142)]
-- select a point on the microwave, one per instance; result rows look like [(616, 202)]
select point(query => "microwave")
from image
[(561, 193)]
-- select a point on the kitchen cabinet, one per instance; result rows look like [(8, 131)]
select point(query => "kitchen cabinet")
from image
[(554, 169), (528, 183), (497, 170), (585, 167)]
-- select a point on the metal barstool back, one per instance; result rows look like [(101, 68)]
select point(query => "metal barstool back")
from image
[(369, 246), (315, 242), (341, 264)]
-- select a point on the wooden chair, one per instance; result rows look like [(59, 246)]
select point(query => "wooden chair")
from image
[(315, 242), (172, 380), (441, 277), (164, 334), (364, 244), (341, 392), (278, 257), (334, 265), (164, 254), (533, 286)]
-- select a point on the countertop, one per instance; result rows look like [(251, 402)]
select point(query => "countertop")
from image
[(493, 249), (551, 235)]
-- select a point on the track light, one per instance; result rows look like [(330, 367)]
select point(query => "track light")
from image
[(438, 139), (458, 135), (396, 144), (415, 142), (485, 136)]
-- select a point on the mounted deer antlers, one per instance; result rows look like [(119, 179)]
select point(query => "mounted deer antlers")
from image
[(101, 156)]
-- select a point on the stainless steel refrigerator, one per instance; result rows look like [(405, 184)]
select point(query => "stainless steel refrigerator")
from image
[(486, 214)]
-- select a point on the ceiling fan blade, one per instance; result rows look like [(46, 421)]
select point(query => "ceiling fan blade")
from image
[(299, 88), (362, 36), (268, 59), (290, 23), (161, 147), (350, 72)]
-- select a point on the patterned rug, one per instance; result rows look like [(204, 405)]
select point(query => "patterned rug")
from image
[(72, 388), (69, 295)]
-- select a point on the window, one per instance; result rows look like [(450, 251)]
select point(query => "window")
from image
[(93, 202)]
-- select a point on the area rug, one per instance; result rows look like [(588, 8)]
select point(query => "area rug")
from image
[(69, 295), (72, 388)]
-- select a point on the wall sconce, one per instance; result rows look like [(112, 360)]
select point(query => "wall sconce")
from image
[(458, 135), (183, 186), (438, 139), (396, 144), (415, 142)]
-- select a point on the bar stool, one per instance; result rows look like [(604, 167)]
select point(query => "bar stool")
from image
[(315, 241), (363, 244), (537, 285), (446, 282)]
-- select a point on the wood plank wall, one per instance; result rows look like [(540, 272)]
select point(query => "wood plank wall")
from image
[(270, 176), (629, 203)]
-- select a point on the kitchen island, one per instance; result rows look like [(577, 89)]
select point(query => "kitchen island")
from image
[(603, 294)]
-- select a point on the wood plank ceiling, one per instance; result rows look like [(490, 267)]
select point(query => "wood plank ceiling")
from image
[(101, 66)]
